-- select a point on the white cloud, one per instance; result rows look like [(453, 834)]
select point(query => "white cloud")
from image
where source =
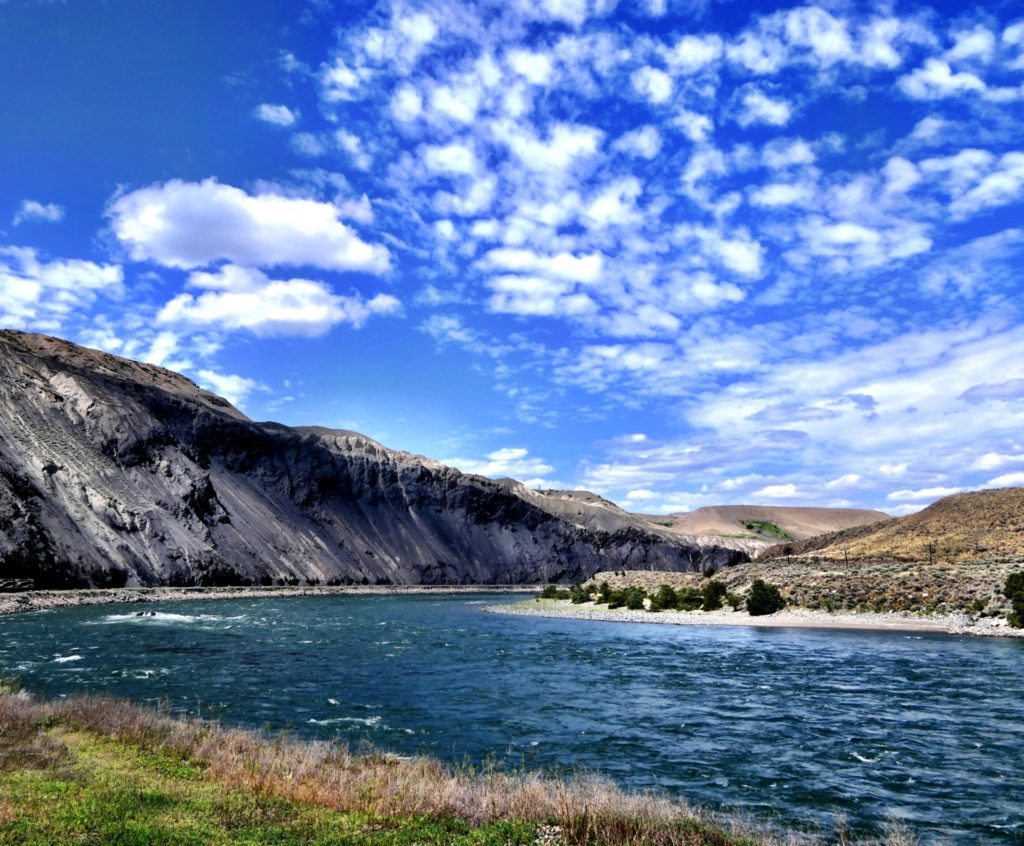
[(693, 53), (308, 144), (993, 460), (843, 481), (978, 44), (1007, 480), (782, 194), (584, 268), (936, 80), (644, 142), (275, 114), (533, 66), (776, 492), (240, 298), (453, 159), (193, 224), (510, 462), (34, 210), (759, 108), (339, 82), (892, 469), (407, 104), (353, 145), (235, 389), (40, 294), (614, 204), (653, 84), (566, 143), (923, 493), (757, 54)]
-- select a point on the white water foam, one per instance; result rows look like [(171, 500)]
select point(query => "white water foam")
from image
[(372, 722), (65, 659), (166, 617)]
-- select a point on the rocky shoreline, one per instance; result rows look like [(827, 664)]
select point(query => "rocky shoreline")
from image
[(45, 600), (953, 624)]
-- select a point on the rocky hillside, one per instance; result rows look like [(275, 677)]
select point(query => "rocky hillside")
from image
[(114, 472), (983, 525)]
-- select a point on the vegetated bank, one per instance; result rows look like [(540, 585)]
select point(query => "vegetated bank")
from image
[(740, 596), (95, 770)]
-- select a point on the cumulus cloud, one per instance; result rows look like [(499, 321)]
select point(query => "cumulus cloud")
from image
[(508, 462), (756, 107), (30, 210), (193, 224), (40, 294), (240, 298), (235, 389), (276, 114)]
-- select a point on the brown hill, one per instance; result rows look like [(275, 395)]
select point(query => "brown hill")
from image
[(964, 527), (767, 522)]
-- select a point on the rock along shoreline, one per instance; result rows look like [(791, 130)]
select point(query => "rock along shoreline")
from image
[(800, 618), (46, 600)]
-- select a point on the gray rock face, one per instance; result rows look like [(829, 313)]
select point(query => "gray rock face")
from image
[(117, 473)]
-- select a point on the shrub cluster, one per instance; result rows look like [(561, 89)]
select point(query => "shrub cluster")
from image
[(1014, 591), (763, 598)]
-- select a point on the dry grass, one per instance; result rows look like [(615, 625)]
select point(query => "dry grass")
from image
[(579, 810)]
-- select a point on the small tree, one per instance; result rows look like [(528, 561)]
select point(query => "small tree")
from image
[(1014, 591), (712, 594), (764, 598), (578, 594), (664, 599), (635, 597), (604, 592)]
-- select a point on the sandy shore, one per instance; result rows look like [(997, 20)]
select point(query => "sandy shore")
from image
[(42, 600), (800, 618)]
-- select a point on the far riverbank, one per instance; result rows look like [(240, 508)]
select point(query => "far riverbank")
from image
[(45, 600), (801, 618)]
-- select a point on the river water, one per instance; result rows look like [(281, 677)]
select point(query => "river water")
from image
[(790, 726)]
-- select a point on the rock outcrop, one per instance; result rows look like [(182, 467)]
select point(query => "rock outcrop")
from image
[(114, 472)]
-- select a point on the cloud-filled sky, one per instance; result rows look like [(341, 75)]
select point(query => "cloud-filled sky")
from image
[(673, 251)]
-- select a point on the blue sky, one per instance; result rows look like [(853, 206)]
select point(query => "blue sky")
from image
[(678, 253)]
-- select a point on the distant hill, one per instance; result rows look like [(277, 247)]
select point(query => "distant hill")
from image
[(962, 527), (765, 524)]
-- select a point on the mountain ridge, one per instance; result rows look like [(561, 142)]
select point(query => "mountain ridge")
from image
[(115, 472)]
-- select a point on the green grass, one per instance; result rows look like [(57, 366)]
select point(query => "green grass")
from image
[(97, 791), (767, 529)]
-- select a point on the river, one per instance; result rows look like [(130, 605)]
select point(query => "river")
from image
[(789, 726)]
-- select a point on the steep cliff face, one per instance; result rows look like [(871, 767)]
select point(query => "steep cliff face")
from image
[(114, 472)]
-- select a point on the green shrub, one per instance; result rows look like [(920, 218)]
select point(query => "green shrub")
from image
[(664, 599), (553, 592), (712, 594), (604, 592), (764, 598), (1014, 591), (734, 600), (689, 599), (578, 594), (635, 597)]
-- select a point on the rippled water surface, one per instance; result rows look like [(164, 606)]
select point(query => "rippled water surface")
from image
[(790, 725)]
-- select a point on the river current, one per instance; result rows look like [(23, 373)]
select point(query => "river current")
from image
[(790, 726)]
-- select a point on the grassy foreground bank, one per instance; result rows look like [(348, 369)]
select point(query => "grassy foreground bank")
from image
[(91, 770)]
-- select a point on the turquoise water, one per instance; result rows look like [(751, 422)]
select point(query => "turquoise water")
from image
[(789, 725)]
